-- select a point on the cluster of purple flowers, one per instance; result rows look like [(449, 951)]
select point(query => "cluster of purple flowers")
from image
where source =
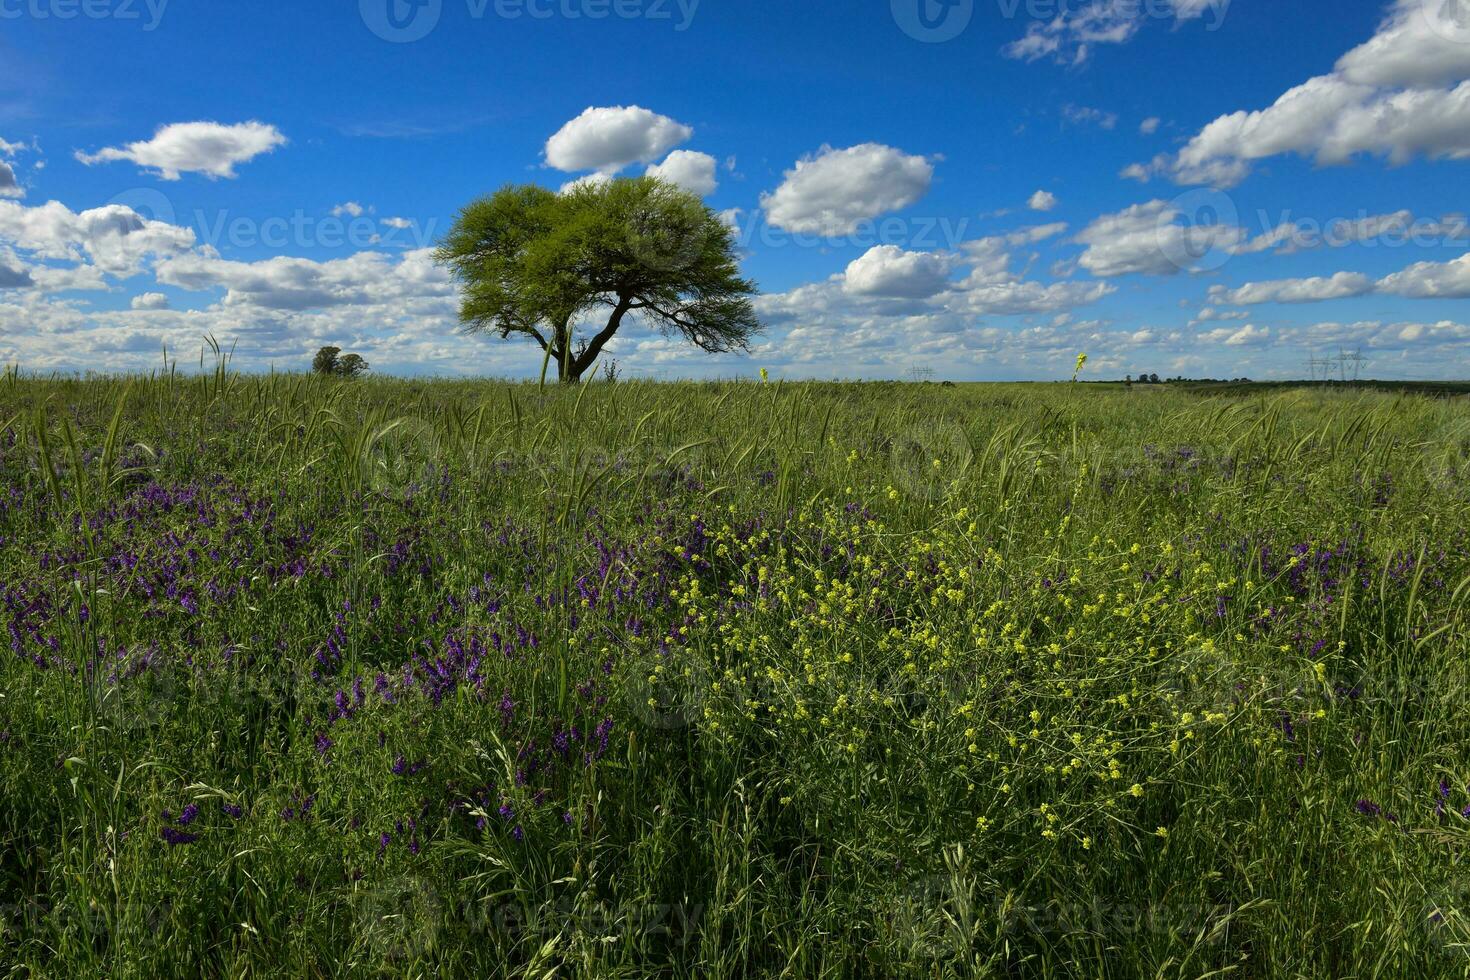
[(171, 833)]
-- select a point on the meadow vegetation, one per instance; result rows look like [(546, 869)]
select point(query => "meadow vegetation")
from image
[(307, 677)]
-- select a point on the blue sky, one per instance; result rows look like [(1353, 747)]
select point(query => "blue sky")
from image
[(984, 188)]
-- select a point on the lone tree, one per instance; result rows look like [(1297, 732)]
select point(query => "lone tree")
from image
[(538, 263)]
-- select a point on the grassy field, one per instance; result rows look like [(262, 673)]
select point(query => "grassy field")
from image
[(1440, 389), (318, 679)]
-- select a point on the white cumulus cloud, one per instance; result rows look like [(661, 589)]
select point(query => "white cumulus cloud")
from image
[(1422, 280), (1403, 94), (1152, 240), (695, 172), (832, 192), (207, 148), (610, 138), (887, 270), (114, 238), (1246, 336), (1311, 290), (150, 301), (1431, 280), (288, 283)]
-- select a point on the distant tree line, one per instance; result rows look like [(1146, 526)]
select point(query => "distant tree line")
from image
[(1154, 379)]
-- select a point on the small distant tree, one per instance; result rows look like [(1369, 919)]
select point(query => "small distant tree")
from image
[(328, 362), (536, 263), (351, 365), (325, 361)]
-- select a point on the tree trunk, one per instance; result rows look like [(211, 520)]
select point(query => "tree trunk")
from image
[(577, 366), (560, 350)]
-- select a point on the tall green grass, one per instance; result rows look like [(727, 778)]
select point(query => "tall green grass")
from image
[(909, 747)]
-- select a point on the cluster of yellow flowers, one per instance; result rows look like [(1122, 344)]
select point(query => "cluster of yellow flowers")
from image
[(1031, 696)]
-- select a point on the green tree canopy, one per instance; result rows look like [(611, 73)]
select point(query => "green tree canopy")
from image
[(351, 365), (328, 361), (325, 361), (538, 263)]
